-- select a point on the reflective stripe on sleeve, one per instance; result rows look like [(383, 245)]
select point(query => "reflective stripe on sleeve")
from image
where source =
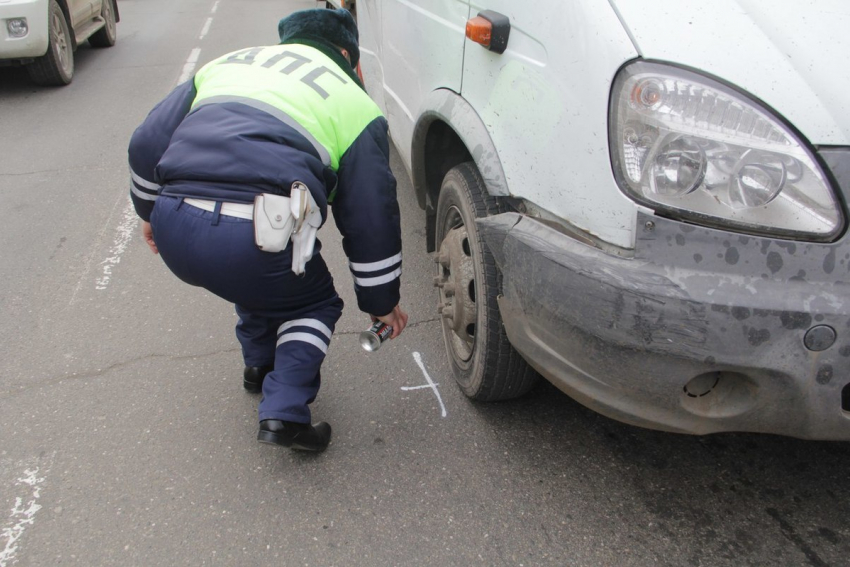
[(142, 193), (375, 266), (378, 280), (144, 183)]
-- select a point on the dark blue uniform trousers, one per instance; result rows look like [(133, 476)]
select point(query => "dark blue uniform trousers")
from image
[(284, 319)]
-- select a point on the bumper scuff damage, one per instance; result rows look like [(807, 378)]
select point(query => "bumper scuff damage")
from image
[(701, 331)]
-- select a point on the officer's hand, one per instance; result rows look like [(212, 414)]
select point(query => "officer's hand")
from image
[(397, 319), (147, 234)]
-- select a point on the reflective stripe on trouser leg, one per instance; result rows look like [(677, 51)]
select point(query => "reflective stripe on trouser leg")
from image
[(224, 259), (302, 344)]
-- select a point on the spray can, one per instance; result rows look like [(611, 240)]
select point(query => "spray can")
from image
[(372, 338)]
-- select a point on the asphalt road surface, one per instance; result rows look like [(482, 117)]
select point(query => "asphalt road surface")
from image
[(126, 437)]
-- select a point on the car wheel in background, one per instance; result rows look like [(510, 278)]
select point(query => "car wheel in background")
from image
[(105, 36), (56, 67), (485, 365)]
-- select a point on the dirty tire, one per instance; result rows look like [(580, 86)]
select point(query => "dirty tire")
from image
[(106, 36), (485, 365), (56, 67)]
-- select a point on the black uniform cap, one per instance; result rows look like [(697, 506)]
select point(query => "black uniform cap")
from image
[(334, 26)]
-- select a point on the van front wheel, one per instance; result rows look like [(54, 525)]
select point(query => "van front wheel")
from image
[(485, 365)]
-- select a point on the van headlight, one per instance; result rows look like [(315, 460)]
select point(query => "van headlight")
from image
[(689, 146)]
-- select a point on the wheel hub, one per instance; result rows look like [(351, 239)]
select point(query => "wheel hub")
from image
[(61, 43), (456, 283)]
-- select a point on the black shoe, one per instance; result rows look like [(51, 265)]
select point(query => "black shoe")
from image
[(253, 377), (301, 436)]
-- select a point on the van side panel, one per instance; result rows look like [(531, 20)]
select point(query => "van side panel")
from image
[(545, 104), (371, 33), (422, 50)]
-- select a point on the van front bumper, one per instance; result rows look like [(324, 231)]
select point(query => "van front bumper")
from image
[(701, 331)]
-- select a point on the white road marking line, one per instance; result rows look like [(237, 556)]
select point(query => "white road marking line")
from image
[(431, 384), (206, 28), (189, 67), (23, 515), (129, 221), (90, 259), (123, 234)]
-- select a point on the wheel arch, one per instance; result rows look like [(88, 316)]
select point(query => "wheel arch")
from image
[(449, 132), (63, 5)]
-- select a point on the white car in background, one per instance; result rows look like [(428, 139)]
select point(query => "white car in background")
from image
[(644, 201), (43, 34)]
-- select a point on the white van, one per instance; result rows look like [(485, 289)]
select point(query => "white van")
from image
[(644, 201)]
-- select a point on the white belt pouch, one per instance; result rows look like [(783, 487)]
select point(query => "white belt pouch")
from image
[(273, 222), (278, 218)]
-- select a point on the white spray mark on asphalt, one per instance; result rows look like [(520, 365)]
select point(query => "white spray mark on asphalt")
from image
[(206, 28), (431, 384), (22, 516), (123, 234), (215, 7)]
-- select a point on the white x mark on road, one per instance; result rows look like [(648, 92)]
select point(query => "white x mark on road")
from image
[(431, 384)]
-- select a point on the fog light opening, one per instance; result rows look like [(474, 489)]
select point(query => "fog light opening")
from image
[(719, 394), (702, 385), (17, 27), (845, 398)]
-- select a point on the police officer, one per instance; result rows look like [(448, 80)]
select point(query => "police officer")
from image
[(261, 121)]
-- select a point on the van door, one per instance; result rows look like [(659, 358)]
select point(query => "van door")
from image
[(423, 42)]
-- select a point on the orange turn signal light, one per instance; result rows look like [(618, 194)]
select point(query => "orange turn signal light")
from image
[(489, 29), (479, 30)]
